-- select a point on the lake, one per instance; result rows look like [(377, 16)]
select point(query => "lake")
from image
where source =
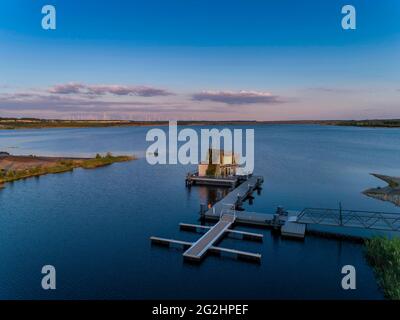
[(94, 225)]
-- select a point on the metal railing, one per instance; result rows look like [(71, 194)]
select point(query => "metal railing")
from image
[(351, 218)]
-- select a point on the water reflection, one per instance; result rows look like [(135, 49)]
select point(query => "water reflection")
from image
[(210, 195), (384, 195)]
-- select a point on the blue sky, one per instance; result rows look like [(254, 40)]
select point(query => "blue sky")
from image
[(189, 59)]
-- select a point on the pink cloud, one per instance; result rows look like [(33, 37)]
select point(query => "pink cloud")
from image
[(113, 89)]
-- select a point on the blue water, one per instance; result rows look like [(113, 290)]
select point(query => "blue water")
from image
[(94, 225)]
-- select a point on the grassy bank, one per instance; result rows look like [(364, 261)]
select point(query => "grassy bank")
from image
[(33, 123), (389, 123), (59, 166), (384, 256)]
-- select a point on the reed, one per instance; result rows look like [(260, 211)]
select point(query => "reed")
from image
[(383, 255)]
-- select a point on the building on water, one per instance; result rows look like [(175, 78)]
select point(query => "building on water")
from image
[(218, 163), (220, 168)]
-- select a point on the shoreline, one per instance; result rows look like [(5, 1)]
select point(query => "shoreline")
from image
[(14, 167), (382, 254), (22, 123), (390, 193)]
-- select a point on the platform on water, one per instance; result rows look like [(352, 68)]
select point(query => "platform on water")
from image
[(226, 216), (236, 197), (237, 234), (291, 224), (237, 254), (293, 230), (228, 181), (199, 248)]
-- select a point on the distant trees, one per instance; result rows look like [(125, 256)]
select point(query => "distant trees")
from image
[(107, 156)]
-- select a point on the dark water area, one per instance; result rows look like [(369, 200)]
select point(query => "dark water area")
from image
[(94, 225)]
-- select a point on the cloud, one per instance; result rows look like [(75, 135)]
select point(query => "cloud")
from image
[(113, 89), (94, 101), (32, 101), (25, 103), (235, 98), (67, 88)]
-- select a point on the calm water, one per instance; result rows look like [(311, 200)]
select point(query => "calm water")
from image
[(94, 225)]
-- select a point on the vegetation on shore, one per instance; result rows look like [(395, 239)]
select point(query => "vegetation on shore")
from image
[(384, 123), (33, 123), (389, 193), (59, 166), (383, 255)]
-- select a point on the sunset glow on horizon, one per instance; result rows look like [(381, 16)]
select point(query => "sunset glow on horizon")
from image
[(182, 60)]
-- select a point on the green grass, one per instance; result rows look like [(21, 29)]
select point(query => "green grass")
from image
[(32, 123), (384, 256), (99, 160), (61, 166)]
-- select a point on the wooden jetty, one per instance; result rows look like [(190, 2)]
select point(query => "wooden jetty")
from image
[(195, 179), (235, 198), (236, 234), (290, 229), (291, 224), (225, 213), (199, 248), (293, 230), (237, 254)]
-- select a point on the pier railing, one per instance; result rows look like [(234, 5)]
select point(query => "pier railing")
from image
[(351, 218)]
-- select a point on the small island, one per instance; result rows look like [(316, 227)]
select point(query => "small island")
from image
[(16, 167), (389, 193)]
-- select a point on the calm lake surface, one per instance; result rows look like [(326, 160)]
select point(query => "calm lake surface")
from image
[(94, 225)]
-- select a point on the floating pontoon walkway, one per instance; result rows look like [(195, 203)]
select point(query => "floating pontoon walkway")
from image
[(223, 211), (294, 223), (199, 248), (236, 234), (293, 230), (194, 178), (236, 197), (243, 255), (291, 224)]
